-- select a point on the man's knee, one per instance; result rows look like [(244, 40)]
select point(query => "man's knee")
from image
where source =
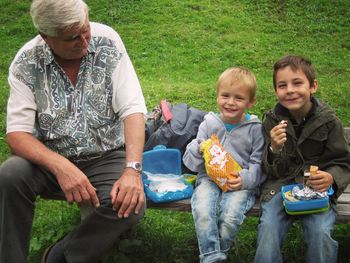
[(13, 170), (135, 218), (106, 210)]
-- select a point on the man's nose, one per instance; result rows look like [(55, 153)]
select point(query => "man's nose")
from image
[(83, 41)]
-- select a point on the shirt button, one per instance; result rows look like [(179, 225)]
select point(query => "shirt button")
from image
[(272, 192)]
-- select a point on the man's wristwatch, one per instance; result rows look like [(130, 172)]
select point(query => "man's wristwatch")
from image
[(137, 166)]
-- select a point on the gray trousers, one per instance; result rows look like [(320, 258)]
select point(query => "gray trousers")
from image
[(21, 182)]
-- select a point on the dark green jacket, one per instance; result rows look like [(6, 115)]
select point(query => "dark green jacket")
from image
[(320, 143)]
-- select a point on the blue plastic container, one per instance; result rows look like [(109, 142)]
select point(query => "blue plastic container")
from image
[(305, 206), (166, 161), (162, 160)]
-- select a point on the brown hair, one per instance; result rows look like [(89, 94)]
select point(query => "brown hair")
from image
[(295, 63)]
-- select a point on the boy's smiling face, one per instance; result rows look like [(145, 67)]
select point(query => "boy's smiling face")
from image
[(232, 101), (294, 91)]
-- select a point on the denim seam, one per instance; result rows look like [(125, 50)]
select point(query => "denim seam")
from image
[(246, 202)]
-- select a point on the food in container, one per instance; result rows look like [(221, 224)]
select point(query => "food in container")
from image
[(304, 206)]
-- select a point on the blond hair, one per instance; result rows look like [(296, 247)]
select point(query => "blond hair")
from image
[(238, 75)]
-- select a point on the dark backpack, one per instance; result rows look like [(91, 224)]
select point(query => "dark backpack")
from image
[(172, 125)]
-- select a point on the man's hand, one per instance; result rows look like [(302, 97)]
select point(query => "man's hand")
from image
[(321, 181), (75, 185), (127, 193), (278, 136), (73, 182)]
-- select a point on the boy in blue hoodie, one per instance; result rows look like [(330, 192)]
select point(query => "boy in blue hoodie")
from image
[(217, 214)]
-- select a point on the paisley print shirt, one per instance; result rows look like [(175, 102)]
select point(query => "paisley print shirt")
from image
[(80, 122)]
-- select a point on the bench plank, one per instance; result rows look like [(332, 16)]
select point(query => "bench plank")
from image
[(343, 213), (347, 189), (182, 205), (344, 198), (343, 209)]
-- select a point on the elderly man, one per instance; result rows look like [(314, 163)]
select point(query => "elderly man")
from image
[(74, 125)]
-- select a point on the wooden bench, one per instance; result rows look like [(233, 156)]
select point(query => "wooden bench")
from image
[(343, 205)]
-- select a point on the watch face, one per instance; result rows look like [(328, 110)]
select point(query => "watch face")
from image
[(137, 166), (134, 165)]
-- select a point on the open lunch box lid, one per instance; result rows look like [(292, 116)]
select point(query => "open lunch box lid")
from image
[(162, 160), (164, 181), (305, 206)]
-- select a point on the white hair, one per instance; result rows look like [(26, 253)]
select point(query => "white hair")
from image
[(51, 15)]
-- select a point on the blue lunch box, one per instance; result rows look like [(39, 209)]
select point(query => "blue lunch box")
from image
[(305, 206)]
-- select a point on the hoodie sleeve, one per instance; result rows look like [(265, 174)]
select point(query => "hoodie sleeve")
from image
[(253, 176)]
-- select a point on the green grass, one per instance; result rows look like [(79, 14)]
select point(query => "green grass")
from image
[(179, 48)]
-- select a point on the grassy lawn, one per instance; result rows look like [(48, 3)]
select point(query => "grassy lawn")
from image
[(179, 48)]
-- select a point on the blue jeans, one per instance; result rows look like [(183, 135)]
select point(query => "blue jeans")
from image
[(274, 225), (217, 216)]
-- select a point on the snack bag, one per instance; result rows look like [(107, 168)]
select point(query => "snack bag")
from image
[(218, 163)]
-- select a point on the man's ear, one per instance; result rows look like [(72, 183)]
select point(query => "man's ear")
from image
[(313, 87)]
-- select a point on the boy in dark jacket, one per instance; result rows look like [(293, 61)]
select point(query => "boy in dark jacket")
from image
[(300, 131)]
